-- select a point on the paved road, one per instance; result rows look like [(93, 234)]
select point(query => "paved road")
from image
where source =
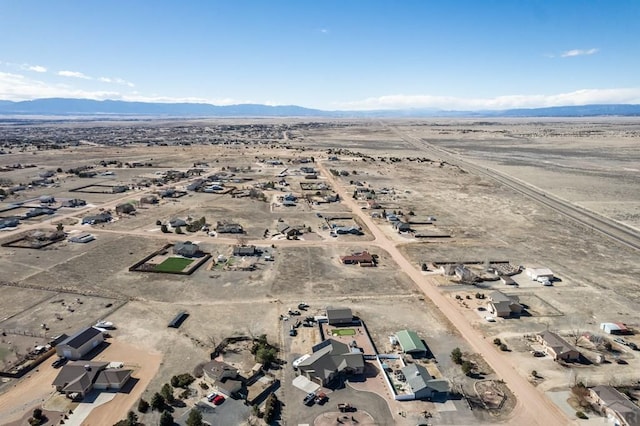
[(532, 406), (616, 231)]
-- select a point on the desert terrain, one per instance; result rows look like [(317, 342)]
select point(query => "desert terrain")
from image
[(560, 194)]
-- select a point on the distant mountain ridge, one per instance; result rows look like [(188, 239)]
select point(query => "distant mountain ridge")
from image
[(67, 106)]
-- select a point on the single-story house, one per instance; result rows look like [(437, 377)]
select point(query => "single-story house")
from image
[(339, 316), (97, 218), (401, 226), (358, 259), (125, 208), (74, 202), (422, 384), (46, 199), (149, 199), (329, 360), (9, 222), (224, 377), (507, 280), (186, 249), (229, 228), (615, 405), (245, 251), (411, 343), (502, 305), (557, 347), (614, 328), (80, 377), (38, 211), (78, 345), (177, 222), (464, 274), (355, 230), (119, 189)]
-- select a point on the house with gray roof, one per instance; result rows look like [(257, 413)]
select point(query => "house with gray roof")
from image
[(331, 359), (557, 347), (615, 405), (502, 305), (224, 377), (80, 377), (97, 218), (186, 249), (339, 316), (78, 345), (422, 385)]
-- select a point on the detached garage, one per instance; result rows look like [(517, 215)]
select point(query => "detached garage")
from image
[(411, 344), (80, 344)]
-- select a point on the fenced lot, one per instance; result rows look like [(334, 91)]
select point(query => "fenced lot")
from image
[(173, 265)]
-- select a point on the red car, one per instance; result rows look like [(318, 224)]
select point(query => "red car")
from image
[(219, 399)]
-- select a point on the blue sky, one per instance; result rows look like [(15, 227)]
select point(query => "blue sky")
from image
[(331, 54)]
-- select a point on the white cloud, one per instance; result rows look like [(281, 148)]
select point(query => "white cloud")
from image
[(324, 30), (578, 97), (579, 52), (74, 74), (36, 68), (105, 80), (17, 87), (116, 81)]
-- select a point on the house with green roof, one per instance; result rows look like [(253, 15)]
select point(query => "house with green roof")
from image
[(411, 344)]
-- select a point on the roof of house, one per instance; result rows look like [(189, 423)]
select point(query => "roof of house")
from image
[(618, 402), (77, 376), (329, 357), (112, 376), (364, 257), (557, 343), (409, 341), (186, 248), (81, 337), (217, 369), (418, 378), (339, 314)]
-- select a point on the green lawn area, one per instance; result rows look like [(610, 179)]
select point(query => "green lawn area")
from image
[(343, 332), (174, 264)]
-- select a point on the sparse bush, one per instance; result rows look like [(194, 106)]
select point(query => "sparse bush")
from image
[(497, 341), (504, 347), (143, 406), (467, 367), (581, 415), (182, 380), (534, 373), (456, 356), (204, 386)]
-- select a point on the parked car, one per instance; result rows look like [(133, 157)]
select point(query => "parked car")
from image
[(346, 408), (537, 354), (321, 398), (490, 319), (620, 340), (293, 332), (309, 399), (59, 362), (218, 399), (211, 396)]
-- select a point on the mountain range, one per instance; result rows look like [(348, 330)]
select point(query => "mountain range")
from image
[(64, 106)]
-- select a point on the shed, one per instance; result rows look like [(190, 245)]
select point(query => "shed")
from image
[(125, 208), (411, 343), (614, 328), (339, 316), (177, 321), (78, 345)]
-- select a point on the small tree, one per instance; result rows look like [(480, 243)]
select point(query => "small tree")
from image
[(37, 414), (467, 368), (157, 402), (166, 419), (456, 356), (195, 418), (132, 418), (504, 347), (167, 393), (143, 406), (60, 227), (497, 341), (534, 374), (164, 228)]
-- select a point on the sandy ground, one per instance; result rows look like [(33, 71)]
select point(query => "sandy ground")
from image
[(28, 393), (34, 389), (146, 366)]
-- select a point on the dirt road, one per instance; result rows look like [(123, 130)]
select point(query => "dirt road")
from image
[(28, 393), (537, 409)]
